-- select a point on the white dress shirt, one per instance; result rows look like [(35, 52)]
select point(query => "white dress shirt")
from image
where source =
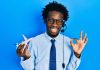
[(39, 48)]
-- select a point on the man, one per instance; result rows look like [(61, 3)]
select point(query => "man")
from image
[(52, 50)]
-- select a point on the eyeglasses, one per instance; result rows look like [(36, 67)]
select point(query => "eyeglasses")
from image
[(58, 21)]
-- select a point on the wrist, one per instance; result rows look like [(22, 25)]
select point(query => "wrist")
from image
[(77, 55), (25, 58)]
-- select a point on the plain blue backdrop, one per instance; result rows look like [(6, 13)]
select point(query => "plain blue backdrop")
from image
[(19, 17)]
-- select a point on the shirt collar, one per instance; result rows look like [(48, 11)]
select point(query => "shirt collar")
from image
[(49, 38)]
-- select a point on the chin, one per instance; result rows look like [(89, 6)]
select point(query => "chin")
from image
[(53, 34)]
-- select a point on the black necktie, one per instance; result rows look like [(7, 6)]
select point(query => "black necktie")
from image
[(52, 63)]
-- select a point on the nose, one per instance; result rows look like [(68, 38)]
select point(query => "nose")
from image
[(54, 23)]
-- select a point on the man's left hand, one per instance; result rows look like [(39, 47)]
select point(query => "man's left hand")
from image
[(79, 46)]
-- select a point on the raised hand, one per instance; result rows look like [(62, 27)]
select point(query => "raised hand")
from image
[(80, 44), (22, 49), (23, 52)]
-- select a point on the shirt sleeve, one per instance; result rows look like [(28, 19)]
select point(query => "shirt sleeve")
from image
[(29, 63), (74, 63)]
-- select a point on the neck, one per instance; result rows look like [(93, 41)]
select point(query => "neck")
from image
[(52, 36)]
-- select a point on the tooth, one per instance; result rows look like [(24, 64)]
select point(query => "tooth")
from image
[(54, 29)]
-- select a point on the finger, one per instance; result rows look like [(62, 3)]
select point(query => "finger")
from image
[(26, 47), (19, 49), (86, 40), (71, 43), (25, 50), (21, 46), (81, 35), (84, 37)]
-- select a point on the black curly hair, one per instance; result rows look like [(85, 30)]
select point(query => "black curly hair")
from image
[(55, 6)]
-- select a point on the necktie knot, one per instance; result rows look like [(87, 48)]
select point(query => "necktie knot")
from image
[(52, 41)]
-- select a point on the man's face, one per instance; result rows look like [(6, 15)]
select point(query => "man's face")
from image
[(54, 23)]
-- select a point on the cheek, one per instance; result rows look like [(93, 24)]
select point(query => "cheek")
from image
[(60, 26), (48, 25)]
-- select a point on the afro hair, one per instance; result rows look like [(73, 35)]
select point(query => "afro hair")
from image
[(55, 6)]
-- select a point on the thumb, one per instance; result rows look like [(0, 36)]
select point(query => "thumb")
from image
[(26, 48), (71, 43)]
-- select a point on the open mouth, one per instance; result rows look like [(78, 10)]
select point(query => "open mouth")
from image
[(53, 30)]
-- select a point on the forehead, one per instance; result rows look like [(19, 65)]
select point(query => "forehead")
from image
[(55, 14)]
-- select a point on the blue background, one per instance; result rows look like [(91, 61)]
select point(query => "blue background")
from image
[(19, 17)]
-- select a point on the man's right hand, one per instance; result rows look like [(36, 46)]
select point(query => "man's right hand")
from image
[(23, 52)]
